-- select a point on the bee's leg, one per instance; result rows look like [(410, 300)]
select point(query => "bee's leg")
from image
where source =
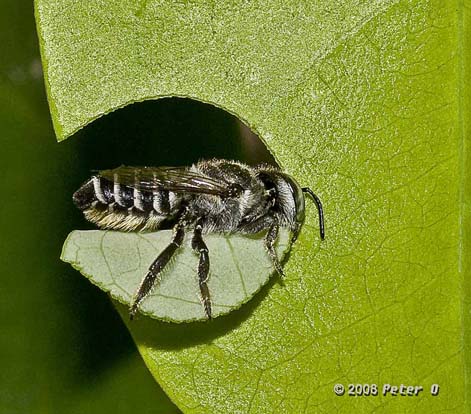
[(271, 223), (270, 239), (198, 244), (155, 268)]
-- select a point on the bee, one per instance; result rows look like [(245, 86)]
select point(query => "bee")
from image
[(216, 195)]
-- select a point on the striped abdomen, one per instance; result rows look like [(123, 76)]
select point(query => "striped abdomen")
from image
[(111, 205)]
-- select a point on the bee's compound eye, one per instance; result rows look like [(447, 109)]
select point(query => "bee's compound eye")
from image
[(297, 198)]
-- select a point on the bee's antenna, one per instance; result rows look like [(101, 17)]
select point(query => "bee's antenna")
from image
[(319, 209)]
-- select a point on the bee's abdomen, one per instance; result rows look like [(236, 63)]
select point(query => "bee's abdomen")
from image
[(111, 205), (94, 191)]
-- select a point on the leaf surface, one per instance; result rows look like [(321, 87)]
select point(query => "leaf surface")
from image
[(362, 101), (63, 349)]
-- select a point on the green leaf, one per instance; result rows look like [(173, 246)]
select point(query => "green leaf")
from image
[(117, 263), (63, 348), (367, 103)]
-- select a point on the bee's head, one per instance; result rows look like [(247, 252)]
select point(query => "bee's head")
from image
[(289, 200), (84, 196)]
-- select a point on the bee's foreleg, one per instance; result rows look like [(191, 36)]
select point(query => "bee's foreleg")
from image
[(156, 268), (270, 239), (198, 244)]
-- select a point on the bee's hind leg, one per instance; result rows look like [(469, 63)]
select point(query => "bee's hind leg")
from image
[(156, 268), (270, 240), (198, 244)]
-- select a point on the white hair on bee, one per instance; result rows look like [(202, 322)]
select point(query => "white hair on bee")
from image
[(286, 204), (122, 221)]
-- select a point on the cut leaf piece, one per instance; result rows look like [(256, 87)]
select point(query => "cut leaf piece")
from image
[(117, 262)]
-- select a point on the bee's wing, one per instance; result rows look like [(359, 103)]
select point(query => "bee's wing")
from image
[(177, 179)]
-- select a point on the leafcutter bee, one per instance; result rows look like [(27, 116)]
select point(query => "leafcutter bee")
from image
[(210, 196)]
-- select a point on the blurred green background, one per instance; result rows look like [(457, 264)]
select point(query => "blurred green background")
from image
[(63, 348)]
